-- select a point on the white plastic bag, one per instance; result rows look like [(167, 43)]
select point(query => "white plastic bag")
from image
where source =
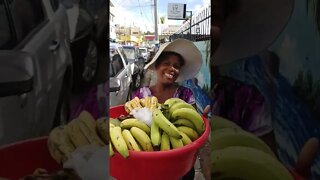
[(91, 162), (144, 114)]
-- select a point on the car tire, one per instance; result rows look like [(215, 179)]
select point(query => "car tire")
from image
[(101, 75), (136, 81), (90, 62), (131, 90), (62, 113), (80, 52), (142, 75)]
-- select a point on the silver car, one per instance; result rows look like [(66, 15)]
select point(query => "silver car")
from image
[(120, 75), (144, 53), (133, 57), (36, 68)]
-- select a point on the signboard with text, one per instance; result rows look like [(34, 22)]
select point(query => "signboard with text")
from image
[(177, 11)]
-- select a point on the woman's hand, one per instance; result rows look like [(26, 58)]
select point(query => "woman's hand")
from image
[(206, 111), (306, 158), (205, 151)]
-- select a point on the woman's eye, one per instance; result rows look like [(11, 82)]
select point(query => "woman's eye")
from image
[(177, 67), (166, 63)]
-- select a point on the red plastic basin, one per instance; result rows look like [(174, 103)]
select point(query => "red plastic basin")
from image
[(22, 158), (157, 165)]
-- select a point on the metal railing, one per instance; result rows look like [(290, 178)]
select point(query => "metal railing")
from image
[(198, 30)]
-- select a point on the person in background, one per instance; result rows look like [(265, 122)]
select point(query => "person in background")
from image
[(174, 62)]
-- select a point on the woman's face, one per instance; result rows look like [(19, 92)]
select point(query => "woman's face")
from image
[(168, 70)]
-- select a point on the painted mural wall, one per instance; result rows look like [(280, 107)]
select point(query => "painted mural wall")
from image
[(200, 84), (287, 75)]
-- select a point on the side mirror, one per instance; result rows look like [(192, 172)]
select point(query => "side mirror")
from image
[(115, 84), (16, 73)]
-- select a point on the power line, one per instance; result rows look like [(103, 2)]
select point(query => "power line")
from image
[(142, 15), (152, 13), (133, 7)]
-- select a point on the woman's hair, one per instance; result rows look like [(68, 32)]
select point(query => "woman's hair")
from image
[(166, 54)]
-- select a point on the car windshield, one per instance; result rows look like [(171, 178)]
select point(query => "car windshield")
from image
[(142, 51), (130, 53)]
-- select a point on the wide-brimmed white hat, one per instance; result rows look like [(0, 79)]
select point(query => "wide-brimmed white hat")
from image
[(190, 54), (251, 28)]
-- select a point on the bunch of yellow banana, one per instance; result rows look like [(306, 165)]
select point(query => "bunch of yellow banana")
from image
[(81, 131), (148, 102), (183, 127), (237, 154), (129, 134)]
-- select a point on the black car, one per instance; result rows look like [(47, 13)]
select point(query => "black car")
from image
[(132, 54)]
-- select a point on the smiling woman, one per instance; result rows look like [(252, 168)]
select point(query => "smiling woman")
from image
[(174, 62)]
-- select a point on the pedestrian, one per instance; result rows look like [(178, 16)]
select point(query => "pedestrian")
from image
[(242, 29), (174, 62)]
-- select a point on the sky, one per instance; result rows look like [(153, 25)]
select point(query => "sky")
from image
[(140, 13)]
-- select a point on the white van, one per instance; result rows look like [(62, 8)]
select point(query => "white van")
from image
[(35, 68)]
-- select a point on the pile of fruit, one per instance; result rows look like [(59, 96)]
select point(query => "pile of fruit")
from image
[(172, 125), (81, 131), (238, 154)]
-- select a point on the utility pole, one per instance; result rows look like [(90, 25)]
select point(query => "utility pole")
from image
[(155, 22)]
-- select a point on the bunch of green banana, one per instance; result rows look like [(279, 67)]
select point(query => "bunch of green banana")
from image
[(239, 162), (226, 137), (148, 102), (184, 114), (218, 122), (238, 154), (184, 126)]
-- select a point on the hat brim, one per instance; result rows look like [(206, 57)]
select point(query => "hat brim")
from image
[(252, 28), (190, 54)]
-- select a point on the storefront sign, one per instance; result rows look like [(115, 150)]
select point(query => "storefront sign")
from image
[(177, 11)]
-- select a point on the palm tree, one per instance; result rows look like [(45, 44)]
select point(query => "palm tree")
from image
[(162, 19)]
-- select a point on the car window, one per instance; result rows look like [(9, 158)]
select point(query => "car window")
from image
[(142, 51), (116, 62), (26, 16), (130, 53), (5, 33), (123, 54)]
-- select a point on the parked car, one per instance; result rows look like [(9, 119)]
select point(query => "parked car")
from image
[(132, 54), (89, 24), (36, 68), (143, 51), (120, 73)]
